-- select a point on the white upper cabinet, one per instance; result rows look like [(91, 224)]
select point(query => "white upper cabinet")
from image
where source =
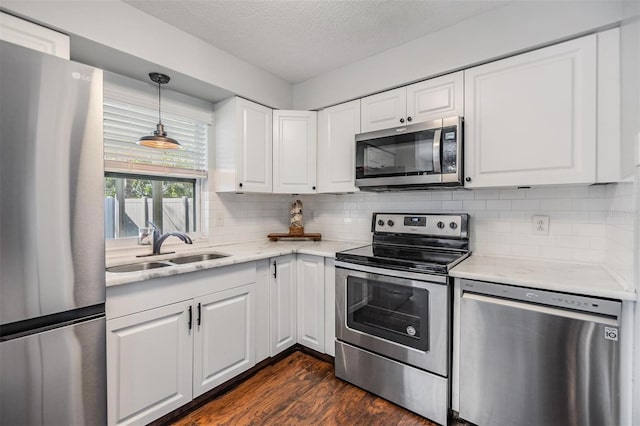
[(384, 110), (337, 127), (436, 98), (531, 119), (610, 154), (27, 34), (294, 152), (427, 100), (243, 146)]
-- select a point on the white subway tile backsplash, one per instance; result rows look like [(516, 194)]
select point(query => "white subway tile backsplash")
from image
[(589, 224), (525, 204), (474, 205), (463, 195), (498, 204)]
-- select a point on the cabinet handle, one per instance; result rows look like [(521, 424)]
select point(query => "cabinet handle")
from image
[(402, 120), (275, 270), (468, 179), (313, 187), (190, 317), (199, 313), (240, 184), (409, 118)]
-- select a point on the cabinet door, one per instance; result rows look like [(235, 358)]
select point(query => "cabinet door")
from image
[(384, 110), (337, 127), (283, 303), (310, 288), (149, 364), (294, 152), (436, 98), (254, 131), (223, 346), (329, 307), (27, 34), (531, 119)]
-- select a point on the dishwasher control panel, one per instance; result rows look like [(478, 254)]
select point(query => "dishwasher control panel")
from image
[(611, 308)]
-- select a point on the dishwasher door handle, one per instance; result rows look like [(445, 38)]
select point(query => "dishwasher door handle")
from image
[(542, 309)]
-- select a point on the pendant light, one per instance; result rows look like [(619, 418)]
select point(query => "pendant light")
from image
[(159, 139)]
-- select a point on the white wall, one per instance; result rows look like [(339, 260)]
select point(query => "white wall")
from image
[(142, 37), (519, 26)]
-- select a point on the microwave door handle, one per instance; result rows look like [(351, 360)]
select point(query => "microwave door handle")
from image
[(436, 151)]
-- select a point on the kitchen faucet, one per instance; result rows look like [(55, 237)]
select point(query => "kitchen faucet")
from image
[(158, 239)]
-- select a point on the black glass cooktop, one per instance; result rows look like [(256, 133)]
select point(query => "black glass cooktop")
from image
[(404, 257)]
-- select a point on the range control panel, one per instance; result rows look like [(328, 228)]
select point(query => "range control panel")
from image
[(438, 225)]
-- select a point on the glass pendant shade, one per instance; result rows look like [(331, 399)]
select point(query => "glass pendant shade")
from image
[(159, 140)]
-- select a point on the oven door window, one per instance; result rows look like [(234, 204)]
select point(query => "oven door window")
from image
[(409, 154), (389, 311)]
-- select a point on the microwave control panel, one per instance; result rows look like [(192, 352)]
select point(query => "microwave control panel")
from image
[(450, 149)]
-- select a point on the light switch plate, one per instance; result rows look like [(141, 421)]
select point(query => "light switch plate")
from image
[(540, 225)]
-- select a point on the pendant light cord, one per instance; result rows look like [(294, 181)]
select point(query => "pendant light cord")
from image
[(159, 111)]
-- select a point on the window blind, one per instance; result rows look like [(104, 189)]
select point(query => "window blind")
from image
[(127, 117)]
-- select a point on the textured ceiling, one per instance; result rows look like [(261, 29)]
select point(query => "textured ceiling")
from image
[(299, 39)]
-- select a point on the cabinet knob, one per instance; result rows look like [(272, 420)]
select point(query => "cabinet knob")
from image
[(402, 120), (313, 187), (468, 179), (409, 119), (240, 184)]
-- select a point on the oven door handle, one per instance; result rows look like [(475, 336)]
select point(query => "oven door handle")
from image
[(416, 276)]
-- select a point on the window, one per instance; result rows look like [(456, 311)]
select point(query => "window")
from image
[(145, 184), (133, 200)]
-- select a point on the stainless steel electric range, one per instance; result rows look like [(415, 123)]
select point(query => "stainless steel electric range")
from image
[(393, 309)]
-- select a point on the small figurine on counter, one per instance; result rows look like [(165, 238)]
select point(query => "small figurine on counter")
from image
[(296, 226)]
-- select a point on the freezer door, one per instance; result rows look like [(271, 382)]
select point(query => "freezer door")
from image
[(51, 185), (57, 377), (529, 364)]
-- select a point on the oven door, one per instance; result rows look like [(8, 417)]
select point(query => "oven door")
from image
[(401, 317)]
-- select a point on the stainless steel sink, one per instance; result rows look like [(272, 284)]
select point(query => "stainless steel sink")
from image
[(197, 258), (133, 267)]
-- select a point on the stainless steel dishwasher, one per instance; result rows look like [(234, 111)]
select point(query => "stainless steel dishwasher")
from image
[(533, 357)]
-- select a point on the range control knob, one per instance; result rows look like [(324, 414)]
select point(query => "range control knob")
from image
[(380, 222), (390, 222), (453, 225), (440, 225)]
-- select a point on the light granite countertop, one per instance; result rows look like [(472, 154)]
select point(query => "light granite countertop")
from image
[(570, 277), (238, 253)]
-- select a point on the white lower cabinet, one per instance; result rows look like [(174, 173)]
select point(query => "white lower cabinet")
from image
[(149, 364), (310, 288), (160, 359), (224, 337), (282, 303)]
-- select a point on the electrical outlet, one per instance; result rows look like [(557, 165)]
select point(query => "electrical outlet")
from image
[(540, 225), (219, 218)]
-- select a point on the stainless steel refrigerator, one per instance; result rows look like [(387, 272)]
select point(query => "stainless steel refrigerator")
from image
[(52, 283)]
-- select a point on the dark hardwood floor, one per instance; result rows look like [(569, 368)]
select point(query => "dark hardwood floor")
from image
[(299, 390)]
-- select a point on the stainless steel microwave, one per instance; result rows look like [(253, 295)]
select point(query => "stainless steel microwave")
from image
[(419, 156)]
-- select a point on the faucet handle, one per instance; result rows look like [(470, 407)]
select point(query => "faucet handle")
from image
[(145, 236), (153, 225)]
